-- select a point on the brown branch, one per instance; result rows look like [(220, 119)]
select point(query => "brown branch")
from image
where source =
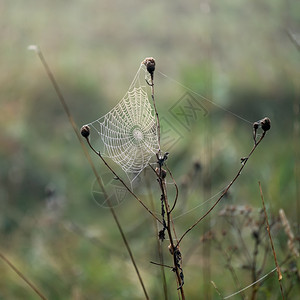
[(150, 65), (159, 244), (271, 241), (23, 277), (74, 126), (122, 181), (176, 187), (244, 162), (159, 264), (149, 62)]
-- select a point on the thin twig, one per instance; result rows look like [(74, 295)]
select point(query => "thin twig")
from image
[(150, 64), (122, 181), (23, 277), (227, 188), (176, 187), (159, 264), (175, 201), (271, 241), (162, 184), (248, 286), (228, 258), (159, 244), (157, 116), (74, 126), (216, 288)]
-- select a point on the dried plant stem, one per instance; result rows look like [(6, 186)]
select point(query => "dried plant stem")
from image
[(122, 181), (291, 238), (169, 231), (156, 113), (253, 269), (231, 269), (159, 264), (175, 201), (227, 188), (248, 286), (128, 249), (74, 126), (237, 228), (23, 277), (176, 188), (216, 288), (271, 241), (159, 245), (164, 197), (174, 249), (264, 261)]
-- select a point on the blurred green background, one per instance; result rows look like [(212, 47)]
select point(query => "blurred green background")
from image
[(240, 54)]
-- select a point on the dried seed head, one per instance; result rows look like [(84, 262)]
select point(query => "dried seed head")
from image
[(265, 124), (85, 131), (149, 62), (256, 125)]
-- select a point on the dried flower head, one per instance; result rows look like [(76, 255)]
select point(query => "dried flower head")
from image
[(256, 125), (265, 124), (85, 131), (149, 62)]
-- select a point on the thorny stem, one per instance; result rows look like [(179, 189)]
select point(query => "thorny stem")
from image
[(23, 277), (71, 120), (271, 241), (245, 160)]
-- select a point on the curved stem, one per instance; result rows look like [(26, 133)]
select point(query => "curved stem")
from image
[(156, 113), (164, 198), (23, 277), (70, 117), (226, 190), (122, 181), (176, 187)]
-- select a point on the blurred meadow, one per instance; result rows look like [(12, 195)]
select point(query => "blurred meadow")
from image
[(55, 227)]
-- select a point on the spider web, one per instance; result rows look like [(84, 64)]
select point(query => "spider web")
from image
[(129, 131)]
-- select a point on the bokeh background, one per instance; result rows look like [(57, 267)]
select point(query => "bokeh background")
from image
[(242, 55)]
